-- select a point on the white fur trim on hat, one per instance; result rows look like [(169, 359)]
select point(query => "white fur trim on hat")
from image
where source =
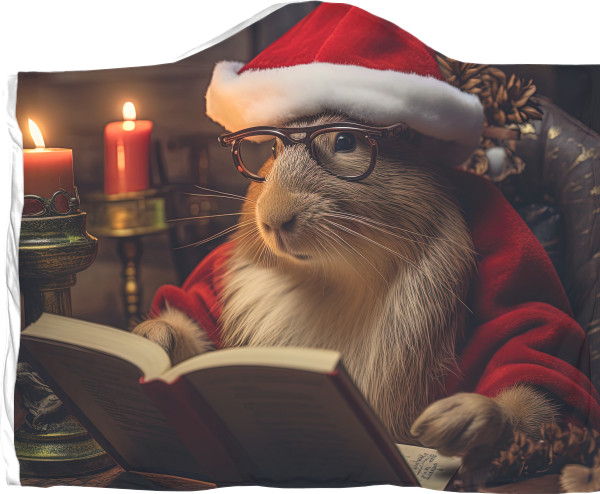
[(380, 97)]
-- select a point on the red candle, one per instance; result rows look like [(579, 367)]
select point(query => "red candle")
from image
[(46, 170), (126, 153)]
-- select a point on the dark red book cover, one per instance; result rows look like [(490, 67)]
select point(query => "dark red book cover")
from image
[(191, 418)]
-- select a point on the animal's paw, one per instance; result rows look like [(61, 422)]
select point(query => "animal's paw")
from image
[(180, 337), (461, 423), (158, 331)]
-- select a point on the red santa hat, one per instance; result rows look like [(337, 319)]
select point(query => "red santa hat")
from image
[(342, 58)]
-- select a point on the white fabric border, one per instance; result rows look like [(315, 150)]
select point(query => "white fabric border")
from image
[(74, 35)]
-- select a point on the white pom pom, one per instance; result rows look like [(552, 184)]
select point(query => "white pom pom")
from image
[(496, 157)]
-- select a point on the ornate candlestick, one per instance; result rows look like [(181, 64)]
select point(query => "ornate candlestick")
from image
[(54, 246), (127, 217)]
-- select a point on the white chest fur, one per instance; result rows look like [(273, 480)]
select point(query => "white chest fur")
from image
[(384, 346), (263, 306)]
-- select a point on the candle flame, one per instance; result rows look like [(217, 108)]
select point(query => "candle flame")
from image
[(129, 111), (36, 133)]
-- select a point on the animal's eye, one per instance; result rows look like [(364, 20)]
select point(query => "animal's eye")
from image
[(274, 149), (345, 142)]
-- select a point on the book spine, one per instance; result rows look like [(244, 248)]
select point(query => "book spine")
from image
[(186, 412), (374, 427)]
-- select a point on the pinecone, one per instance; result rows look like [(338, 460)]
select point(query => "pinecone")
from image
[(493, 96), (525, 457), (465, 76), (507, 102), (519, 94), (560, 444), (504, 101), (478, 161)]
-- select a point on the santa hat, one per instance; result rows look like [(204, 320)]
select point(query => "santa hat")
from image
[(342, 58)]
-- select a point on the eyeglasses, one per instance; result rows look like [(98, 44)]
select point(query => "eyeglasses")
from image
[(332, 146)]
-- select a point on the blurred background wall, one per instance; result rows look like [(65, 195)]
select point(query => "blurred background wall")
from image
[(72, 109)]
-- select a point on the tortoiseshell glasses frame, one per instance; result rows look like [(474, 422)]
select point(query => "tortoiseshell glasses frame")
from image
[(306, 135)]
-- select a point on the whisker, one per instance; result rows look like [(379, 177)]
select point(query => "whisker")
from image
[(370, 220), (244, 199), (325, 251), (362, 256), (389, 233), (340, 254), (405, 259), (363, 222), (246, 241), (245, 238), (216, 235), (228, 194), (207, 216), (264, 251)]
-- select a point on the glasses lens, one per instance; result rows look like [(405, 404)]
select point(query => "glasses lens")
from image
[(255, 151), (344, 153)]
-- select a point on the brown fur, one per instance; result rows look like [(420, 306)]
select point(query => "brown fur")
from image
[(377, 270)]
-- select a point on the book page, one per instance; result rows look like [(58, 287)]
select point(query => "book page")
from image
[(293, 426), (309, 359), (143, 353), (433, 470), (106, 391)]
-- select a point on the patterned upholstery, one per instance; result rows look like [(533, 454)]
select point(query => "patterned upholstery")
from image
[(558, 195)]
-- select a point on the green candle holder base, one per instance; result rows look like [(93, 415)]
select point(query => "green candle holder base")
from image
[(64, 450), (53, 247)]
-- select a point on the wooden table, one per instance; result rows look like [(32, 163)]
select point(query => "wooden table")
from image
[(548, 484), (117, 478)]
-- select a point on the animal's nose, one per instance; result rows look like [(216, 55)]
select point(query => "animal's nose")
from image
[(282, 223), (278, 210)]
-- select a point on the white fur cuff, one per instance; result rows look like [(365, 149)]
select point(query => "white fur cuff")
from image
[(381, 97)]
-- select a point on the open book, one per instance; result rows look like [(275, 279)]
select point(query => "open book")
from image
[(270, 416)]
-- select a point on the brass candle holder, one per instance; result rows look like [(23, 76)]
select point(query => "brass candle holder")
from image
[(53, 247), (129, 216)]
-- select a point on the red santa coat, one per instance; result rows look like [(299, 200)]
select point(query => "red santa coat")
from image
[(521, 329)]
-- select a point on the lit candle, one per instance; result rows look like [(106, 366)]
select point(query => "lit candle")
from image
[(126, 153), (45, 171)]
